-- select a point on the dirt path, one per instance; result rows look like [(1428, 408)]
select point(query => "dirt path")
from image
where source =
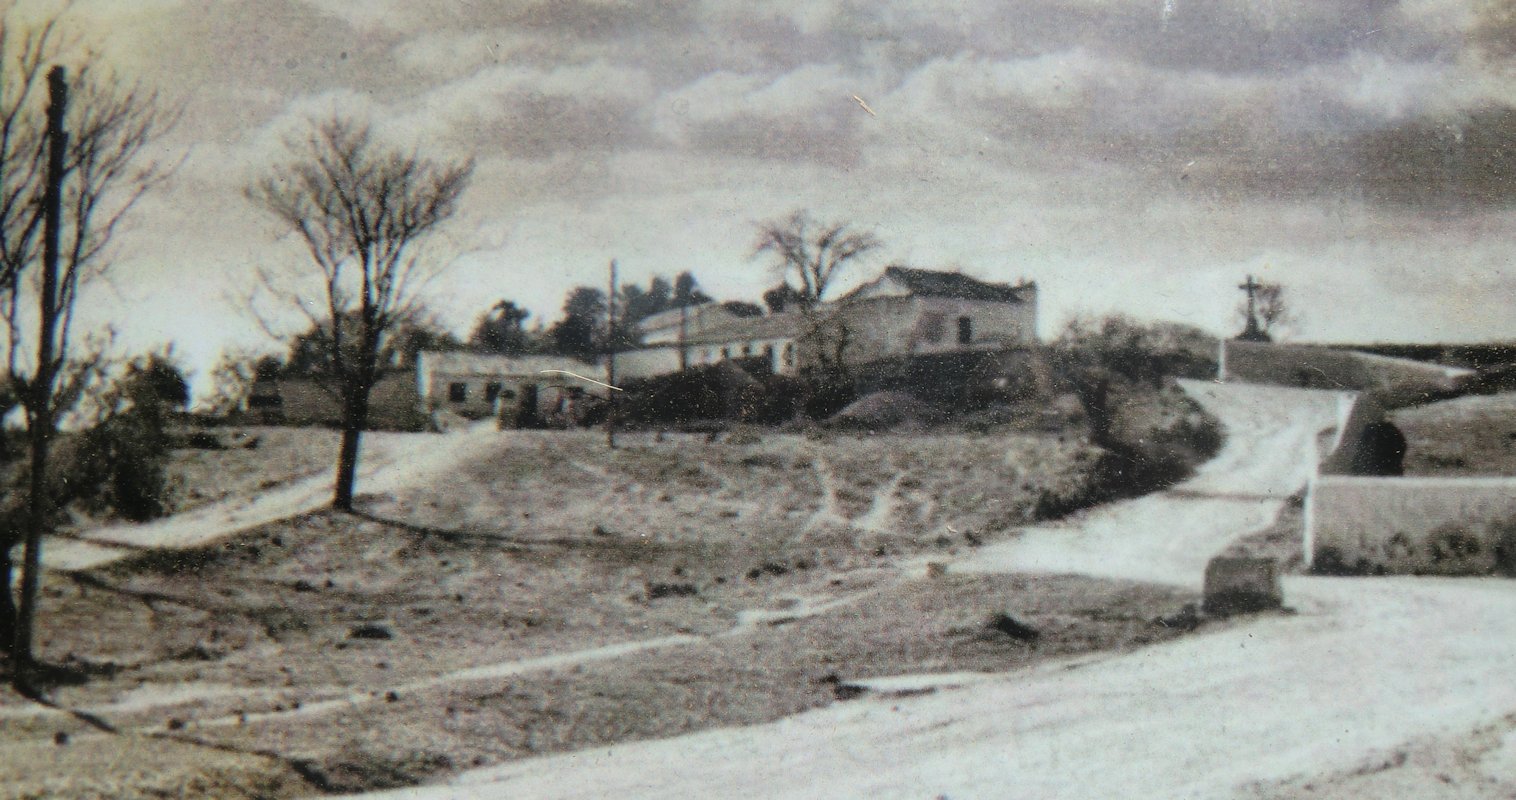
[(1364, 667), (1168, 537), (388, 461)]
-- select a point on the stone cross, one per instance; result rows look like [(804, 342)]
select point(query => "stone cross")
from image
[(1251, 332)]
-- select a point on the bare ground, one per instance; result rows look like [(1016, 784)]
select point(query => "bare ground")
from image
[(252, 459), (549, 596)]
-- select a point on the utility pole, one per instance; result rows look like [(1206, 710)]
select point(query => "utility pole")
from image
[(610, 361), (40, 421), (684, 326)]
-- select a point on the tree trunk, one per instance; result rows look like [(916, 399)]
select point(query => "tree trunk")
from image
[(7, 601), (347, 469), (1095, 396), (354, 420), (40, 422)]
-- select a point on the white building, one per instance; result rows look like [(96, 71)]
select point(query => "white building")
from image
[(479, 385), (679, 324), (903, 312)]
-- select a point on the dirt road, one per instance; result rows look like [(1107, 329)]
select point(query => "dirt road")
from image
[(1334, 692), (1169, 536), (387, 462)]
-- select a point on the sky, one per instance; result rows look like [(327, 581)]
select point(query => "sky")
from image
[(1140, 157)]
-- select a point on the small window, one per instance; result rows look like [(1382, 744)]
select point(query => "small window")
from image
[(747, 350), (457, 392), (789, 354), (507, 394), (726, 352), (965, 330), (491, 391), (768, 352)]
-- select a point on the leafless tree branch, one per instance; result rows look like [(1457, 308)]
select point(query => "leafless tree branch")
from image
[(359, 207)]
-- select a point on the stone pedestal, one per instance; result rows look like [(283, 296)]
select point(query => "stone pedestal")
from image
[(1241, 585)]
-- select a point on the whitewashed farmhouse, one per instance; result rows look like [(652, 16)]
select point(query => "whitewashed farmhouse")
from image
[(476, 385), (903, 312)]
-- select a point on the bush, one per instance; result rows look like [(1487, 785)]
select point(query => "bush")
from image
[(700, 393), (726, 392), (125, 457), (773, 400)]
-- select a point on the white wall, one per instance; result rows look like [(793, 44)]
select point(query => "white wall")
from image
[(1418, 525), (992, 324), (647, 362)]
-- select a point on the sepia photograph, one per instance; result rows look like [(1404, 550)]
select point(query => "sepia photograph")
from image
[(527, 399)]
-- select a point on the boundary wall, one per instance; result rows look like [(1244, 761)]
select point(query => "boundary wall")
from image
[(1317, 367), (1421, 525)]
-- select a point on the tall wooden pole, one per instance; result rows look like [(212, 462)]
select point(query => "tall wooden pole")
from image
[(684, 326), (40, 408), (610, 361)]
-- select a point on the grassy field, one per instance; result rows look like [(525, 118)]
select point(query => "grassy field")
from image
[(464, 622), (251, 460), (1473, 435)]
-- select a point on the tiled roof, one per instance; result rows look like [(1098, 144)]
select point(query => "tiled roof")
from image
[(768, 326), (956, 285)]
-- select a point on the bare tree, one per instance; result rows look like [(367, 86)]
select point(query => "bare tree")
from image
[(359, 207), (232, 383), (71, 167), (815, 254), (812, 252)]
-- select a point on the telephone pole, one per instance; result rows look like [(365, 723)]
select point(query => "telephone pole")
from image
[(610, 361)]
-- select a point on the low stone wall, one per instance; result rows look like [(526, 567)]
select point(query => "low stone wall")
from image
[(1316, 367), (1418, 526)]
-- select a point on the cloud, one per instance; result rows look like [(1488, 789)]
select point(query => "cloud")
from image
[(808, 114), (534, 112), (1446, 162)]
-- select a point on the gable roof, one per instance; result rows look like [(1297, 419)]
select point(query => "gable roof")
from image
[(431, 362), (703, 314), (954, 285), (768, 326)]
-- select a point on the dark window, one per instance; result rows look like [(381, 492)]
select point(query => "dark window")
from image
[(457, 392), (507, 394), (491, 391), (726, 353), (747, 350), (768, 352), (965, 330), (789, 354)]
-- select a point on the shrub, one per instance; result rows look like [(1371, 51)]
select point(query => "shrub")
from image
[(126, 458), (726, 392), (700, 393)]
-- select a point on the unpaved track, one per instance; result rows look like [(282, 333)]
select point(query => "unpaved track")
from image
[(1169, 536), (388, 461), (1365, 666)]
